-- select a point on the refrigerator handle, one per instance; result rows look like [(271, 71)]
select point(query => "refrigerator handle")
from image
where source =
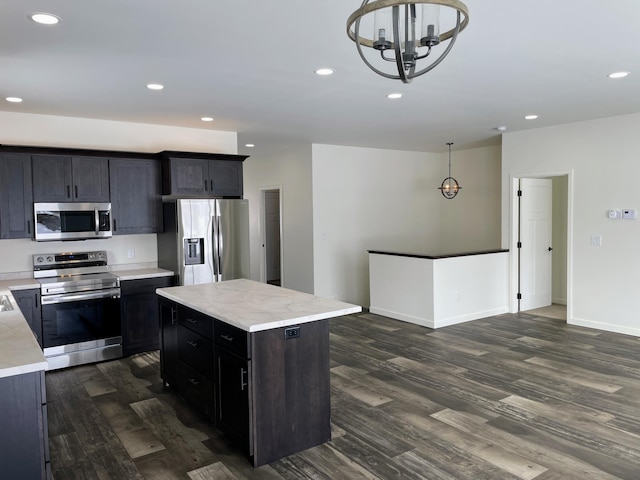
[(220, 249), (214, 242)]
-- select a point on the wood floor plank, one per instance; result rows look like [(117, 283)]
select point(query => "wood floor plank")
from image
[(508, 397)]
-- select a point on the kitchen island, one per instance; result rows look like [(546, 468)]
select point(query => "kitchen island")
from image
[(440, 288), (253, 358)]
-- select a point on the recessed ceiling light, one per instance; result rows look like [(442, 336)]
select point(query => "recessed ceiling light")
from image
[(501, 128), (249, 145), (155, 86), (325, 71), (13, 99), (531, 117), (394, 96), (44, 18), (618, 74), (207, 119)]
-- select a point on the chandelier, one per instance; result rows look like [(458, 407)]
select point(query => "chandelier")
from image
[(450, 186), (395, 27)]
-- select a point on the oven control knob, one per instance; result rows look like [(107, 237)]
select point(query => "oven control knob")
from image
[(91, 256), (100, 254), (49, 258), (39, 259)]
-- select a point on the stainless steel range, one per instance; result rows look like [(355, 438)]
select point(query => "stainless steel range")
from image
[(80, 308)]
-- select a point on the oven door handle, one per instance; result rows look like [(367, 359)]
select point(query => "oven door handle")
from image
[(97, 220), (75, 297)]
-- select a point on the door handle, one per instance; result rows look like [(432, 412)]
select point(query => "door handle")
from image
[(242, 382), (549, 249)]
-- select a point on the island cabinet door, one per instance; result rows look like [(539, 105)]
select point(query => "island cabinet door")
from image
[(291, 391), (233, 415), (169, 359)]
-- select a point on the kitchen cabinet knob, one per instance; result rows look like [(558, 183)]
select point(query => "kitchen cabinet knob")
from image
[(192, 343), (194, 382), (227, 338)]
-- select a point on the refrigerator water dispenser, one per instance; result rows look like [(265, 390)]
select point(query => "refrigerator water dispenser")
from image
[(194, 251)]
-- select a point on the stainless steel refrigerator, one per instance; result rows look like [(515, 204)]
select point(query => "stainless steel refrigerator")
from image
[(205, 240)]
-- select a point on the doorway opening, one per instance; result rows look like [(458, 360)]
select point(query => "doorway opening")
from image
[(271, 220), (540, 244)]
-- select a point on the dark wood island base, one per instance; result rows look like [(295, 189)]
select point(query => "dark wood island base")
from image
[(268, 389)]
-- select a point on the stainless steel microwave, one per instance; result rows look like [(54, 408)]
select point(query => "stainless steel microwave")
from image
[(72, 221)]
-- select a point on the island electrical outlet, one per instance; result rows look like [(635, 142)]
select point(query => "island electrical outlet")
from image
[(293, 332)]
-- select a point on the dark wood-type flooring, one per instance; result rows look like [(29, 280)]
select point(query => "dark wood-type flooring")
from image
[(508, 397)]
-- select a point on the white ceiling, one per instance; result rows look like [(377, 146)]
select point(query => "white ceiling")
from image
[(250, 65)]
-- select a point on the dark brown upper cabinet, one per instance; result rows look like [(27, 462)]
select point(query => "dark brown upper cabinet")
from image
[(70, 179), (202, 175), (16, 196), (136, 202)]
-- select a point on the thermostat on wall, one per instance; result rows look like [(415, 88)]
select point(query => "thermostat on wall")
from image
[(613, 214), (629, 214)]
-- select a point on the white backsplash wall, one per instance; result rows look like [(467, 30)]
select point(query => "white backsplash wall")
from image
[(16, 255)]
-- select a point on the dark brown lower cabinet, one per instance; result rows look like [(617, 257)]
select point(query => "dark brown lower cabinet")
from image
[(268, 390), (29, 303), (233, 396), (139, 314), (24, 440)]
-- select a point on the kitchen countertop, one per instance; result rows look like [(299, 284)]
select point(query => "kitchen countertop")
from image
[(141, 273), (19, 350), (437, 255), (253, 306)]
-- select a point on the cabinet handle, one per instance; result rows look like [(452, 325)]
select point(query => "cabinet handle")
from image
[(68, 191), (29, 227), (194, 382), (205, 185), (211, 183), (191, 320), (193, 344), (242, 382), (114, 225), (35, 299), (76, 190), (173, 316), (227, 338)]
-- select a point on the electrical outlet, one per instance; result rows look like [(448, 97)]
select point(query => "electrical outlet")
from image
[(293, 332), (596, 240), (131, 253)]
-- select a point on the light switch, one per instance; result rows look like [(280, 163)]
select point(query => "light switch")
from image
[(596, 240)]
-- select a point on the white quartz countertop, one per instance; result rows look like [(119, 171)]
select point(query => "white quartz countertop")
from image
[(254, 306), (19, 350), (141, 273)]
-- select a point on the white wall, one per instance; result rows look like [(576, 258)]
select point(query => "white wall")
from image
[(471, 220), (603, 158), (44, 130), (72, 132), (287, 167), (383, 199), (16, 254)]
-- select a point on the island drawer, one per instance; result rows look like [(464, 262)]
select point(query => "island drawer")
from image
[(195, 350), (232, 338), (196, 321), (197, 389)]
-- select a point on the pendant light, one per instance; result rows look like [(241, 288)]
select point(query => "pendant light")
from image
[(450, 186), (405, 32)]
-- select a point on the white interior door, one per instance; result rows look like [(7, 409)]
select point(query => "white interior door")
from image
[(535, 242)]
